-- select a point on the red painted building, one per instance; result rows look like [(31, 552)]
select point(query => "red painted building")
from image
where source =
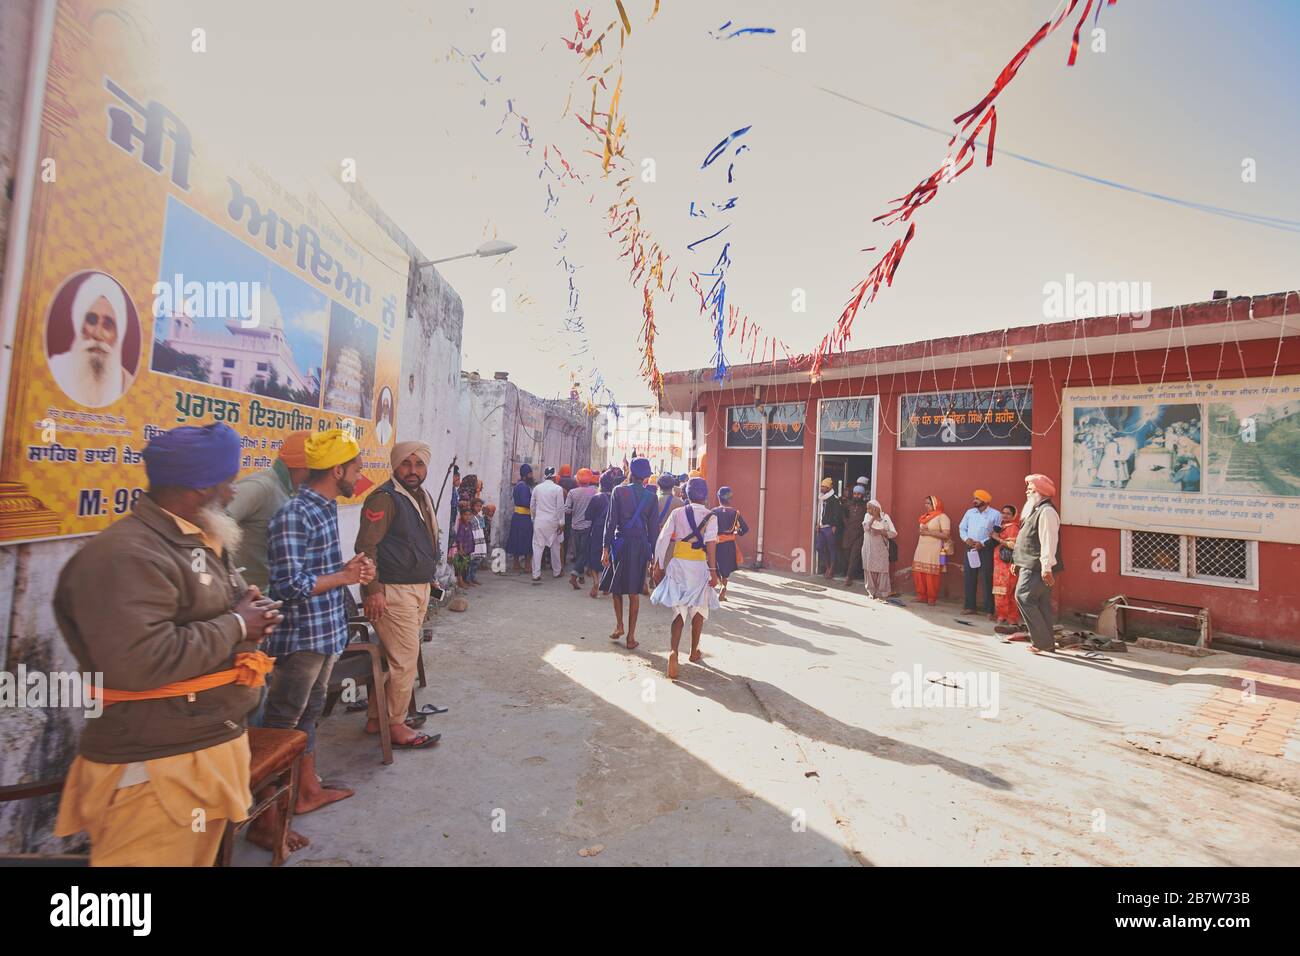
[(1170, 492)]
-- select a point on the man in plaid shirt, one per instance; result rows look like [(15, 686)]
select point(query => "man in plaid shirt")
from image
[(307, 573)]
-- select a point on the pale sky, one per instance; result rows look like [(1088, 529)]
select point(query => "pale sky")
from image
[(1185, 91)]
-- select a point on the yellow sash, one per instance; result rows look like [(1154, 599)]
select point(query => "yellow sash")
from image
[(521, 510), (683, 549)]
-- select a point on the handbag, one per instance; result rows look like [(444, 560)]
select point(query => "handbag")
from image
[(1005, 554), (893, 550)]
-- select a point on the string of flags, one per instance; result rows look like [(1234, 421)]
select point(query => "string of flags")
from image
[(556, 172), (606, 132), (972, 122)]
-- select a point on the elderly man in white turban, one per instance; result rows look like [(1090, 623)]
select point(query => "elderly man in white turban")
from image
[(399, 532), (91, 373)]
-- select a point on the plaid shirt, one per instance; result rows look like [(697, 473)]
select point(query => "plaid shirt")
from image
[(303, 545)]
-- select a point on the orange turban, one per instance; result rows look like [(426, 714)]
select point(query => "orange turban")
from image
[(566, 471), (1042, 484), (982, 495), (294, 450), (586, 476)]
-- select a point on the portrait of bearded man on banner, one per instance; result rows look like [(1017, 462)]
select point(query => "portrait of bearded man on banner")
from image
[(92, 339)]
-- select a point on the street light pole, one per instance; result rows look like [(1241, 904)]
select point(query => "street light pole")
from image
[(493, 247)]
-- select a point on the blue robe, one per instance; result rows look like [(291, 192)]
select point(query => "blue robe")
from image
[(520, 541), (597, 511), (629, 541), (729, 522)]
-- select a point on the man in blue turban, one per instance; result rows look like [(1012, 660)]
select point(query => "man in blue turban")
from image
[(156, 605), (629, 531), (519, 543)]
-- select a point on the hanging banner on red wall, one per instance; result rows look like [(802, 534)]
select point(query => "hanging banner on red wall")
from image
[(981, 418), (1217, 459)]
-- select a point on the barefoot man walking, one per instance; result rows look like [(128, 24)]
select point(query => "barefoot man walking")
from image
[(628, 532), (687, 586)]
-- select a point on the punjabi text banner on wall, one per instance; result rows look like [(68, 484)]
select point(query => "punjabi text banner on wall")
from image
[(166, 286), (982, 418), (784, 429), (1213, 459)]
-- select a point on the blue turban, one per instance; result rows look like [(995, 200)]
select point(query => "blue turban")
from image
[(859, 489), (549, 473), (609, 479), (724, 493), (697, 489), (640, 468), (192, 457), (525, 471), (667, 482)]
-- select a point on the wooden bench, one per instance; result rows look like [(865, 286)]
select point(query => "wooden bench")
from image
[(275, 761)]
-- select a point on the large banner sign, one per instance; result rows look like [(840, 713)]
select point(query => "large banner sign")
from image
[(785, 428), (984, 418), (166, 286), (1215, 459)]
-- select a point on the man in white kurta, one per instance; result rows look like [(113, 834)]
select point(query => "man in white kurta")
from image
[(547, 508), (691, 532)]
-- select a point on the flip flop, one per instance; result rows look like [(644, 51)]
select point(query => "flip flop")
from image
[(427, 709), (419, 743), (1094, 656), (960, 621), (357, 706), (895, 602)]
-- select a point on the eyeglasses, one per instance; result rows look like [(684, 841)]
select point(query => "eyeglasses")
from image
[(94, 319)]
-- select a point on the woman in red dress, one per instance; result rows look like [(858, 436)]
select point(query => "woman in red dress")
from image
[(1004, 572)]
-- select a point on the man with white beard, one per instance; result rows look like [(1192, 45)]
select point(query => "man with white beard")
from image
[(155, 605), (91, 373), (1037, 554)]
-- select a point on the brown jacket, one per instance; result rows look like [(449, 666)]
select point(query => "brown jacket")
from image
[(132, 607)]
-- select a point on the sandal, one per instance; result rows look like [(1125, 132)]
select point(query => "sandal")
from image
[(419, 743), (428, 709)]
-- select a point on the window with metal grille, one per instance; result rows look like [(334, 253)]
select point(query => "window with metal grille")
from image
[(1224, 558), (1229, 562)]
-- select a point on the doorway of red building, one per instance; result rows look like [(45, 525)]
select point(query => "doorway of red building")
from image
[(843, 470)]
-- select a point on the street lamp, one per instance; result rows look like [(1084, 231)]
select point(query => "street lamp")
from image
[(493, 247)]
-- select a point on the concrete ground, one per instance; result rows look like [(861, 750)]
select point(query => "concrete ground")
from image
[(796, 743)]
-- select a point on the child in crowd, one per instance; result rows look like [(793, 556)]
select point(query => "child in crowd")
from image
[(462, 546), (480, 536)]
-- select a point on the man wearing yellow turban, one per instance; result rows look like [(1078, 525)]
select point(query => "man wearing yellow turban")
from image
[(308, 574)]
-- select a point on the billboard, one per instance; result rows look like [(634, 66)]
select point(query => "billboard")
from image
[(1218, 459), (167, 285)]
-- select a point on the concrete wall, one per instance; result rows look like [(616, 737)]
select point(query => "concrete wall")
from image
[(499, 420), (37, 744)]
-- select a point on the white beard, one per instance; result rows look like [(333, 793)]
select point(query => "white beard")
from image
[(1031, 500), (216, 522), (89, 378)]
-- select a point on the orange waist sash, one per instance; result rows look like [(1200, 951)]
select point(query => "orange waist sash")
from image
[(250, 670)]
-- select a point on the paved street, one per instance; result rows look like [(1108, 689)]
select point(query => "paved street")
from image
[(785, 748)]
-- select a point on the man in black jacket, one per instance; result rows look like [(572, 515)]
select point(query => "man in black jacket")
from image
[(399, 532), (829, 522)]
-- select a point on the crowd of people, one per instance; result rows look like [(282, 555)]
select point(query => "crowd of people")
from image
[(218, 604), (626, 532)]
